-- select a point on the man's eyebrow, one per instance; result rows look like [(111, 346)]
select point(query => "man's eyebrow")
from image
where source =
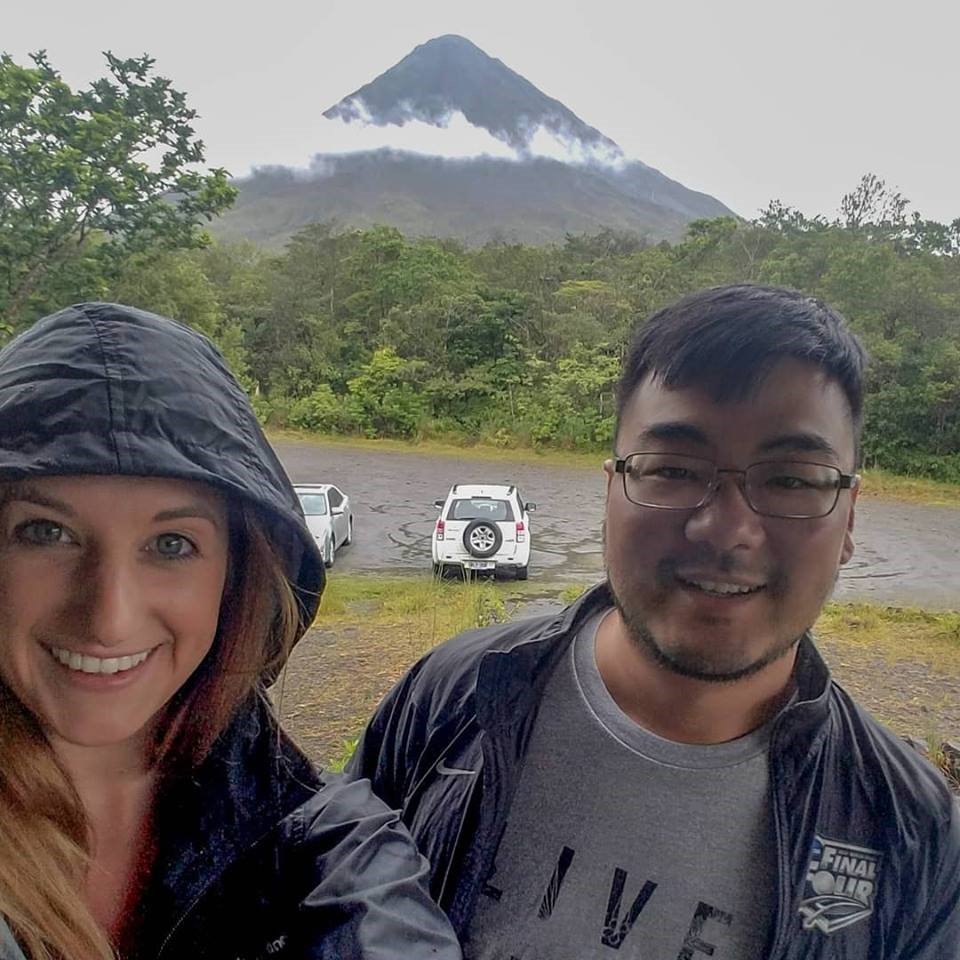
[(26, 493), (805, 442), (677, 430)]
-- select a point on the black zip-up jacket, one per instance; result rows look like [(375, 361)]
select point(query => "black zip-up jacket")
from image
[(262, 858), (257, 855), (850, 801)]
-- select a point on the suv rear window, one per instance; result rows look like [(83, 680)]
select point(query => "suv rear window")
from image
[(480, 508)]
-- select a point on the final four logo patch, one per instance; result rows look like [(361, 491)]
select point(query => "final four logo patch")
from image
[(841, 882)]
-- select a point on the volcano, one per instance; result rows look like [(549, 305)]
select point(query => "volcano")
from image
[(451, 142)]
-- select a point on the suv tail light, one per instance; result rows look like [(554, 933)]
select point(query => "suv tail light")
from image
[(521, 532), (439, 529)]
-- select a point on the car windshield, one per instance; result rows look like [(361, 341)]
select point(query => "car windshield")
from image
[(480, 508), (314, 504)]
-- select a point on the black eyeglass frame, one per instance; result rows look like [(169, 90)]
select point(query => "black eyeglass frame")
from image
[(847, 481)]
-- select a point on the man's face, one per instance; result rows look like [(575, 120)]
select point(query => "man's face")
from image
[(669, 569)]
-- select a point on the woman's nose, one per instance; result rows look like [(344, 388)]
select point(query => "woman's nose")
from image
[(107, 600)]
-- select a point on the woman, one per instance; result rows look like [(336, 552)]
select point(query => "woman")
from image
[(154, 573)]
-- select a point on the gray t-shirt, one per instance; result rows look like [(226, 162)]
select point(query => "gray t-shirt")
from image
[(8, 946), (620, 840)]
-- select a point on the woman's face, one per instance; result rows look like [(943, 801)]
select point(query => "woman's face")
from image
[(110, 592)]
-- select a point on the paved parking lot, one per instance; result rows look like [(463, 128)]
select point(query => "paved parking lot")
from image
[(906, 554)]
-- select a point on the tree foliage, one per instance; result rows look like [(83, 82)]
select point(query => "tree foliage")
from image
[(89, 177)]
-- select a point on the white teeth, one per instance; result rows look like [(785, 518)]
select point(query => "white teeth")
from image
[(87, 664), (724, 589)]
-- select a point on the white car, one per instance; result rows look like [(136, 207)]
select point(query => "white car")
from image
[(328, 515), (483, 527)]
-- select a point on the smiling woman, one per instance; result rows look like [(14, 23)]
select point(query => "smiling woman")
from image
[(155, 571)]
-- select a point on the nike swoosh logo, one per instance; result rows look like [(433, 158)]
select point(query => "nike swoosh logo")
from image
[(454, 771)]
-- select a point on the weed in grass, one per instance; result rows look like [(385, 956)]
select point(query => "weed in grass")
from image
[(347, 749), (569, 594), (947, 765)]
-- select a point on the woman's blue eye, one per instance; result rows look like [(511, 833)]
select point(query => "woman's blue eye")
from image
[(40, 532), (174, 545)]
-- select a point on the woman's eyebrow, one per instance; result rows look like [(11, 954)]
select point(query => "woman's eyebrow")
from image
[(188, 511), (26, 493)]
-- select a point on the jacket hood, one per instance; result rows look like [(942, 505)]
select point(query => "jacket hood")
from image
[(100, 388)]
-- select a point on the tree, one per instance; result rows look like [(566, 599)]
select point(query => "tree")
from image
[(872, 203), (89, 177), (173, 283)]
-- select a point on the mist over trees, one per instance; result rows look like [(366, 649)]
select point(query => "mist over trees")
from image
[(372, 333)]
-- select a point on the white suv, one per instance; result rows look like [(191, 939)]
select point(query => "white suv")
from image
[(483, 527)]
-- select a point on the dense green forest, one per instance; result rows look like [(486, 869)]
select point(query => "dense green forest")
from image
[(371, 333), (376, 334)]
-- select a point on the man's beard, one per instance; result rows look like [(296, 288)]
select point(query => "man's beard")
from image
[(689, 662)]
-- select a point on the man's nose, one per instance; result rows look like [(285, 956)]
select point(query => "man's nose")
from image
[(726, 520), (107, 600)]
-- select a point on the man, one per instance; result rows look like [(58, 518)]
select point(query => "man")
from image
[(665, 769)]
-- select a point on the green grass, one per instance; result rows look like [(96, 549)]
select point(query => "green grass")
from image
[(896, 633), (435, 607), (465, 450), (890, 486), (876, 483)]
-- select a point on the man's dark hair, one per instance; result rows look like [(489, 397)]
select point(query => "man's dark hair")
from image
[(726, 339)]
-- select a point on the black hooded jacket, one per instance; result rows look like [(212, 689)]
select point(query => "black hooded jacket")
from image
[(259, 856)]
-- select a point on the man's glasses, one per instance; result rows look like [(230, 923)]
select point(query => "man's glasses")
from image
[(791, 489)]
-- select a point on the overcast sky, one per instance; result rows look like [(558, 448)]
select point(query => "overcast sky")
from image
[(748, 100)]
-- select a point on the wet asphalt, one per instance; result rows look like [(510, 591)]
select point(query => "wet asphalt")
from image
[(907, 554)]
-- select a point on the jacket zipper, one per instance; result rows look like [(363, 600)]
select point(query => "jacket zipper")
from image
[(448, 870)]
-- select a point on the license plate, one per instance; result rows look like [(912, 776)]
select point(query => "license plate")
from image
[(478, 565)]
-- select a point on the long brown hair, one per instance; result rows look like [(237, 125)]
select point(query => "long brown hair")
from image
[(44, 833)]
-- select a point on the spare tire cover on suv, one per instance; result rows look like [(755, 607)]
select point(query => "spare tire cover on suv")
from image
[(482, 538)]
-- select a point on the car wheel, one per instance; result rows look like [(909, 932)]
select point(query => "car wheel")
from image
[(522, 572), (482, 538), (328, 554), (349, 539)]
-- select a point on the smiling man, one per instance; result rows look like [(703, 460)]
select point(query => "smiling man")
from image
[(666, 769)]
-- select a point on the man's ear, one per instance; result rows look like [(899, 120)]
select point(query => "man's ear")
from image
[(848, 545), (609, 471)]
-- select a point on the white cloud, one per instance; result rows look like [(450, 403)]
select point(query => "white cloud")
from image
[(453, 137), (456, 138), (544, 142)]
